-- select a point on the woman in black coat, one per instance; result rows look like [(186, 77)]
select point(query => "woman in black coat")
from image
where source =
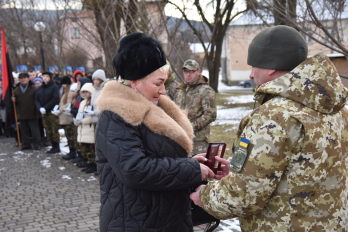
[(143, 141)]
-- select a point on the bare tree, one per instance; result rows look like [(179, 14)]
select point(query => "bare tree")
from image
[(223, 15), (319, 20)]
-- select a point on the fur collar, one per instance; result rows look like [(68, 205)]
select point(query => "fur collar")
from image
[(135, 109)]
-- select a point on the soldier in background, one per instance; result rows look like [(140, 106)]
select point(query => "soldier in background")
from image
[(288, 171), (197, 98)]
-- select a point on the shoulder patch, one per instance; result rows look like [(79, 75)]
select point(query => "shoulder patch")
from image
[(240, 155)]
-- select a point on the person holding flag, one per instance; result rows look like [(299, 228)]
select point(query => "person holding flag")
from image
[(7, 87)]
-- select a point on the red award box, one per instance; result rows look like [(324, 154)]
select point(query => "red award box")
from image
[(215, 149)]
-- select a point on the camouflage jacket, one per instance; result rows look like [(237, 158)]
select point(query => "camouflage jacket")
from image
[(295, 174), (198, 99)]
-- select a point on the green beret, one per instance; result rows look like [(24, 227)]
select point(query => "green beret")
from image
[(277, 47)]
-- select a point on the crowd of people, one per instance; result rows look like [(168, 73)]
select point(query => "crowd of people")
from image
[(289, 162), (46, 103)]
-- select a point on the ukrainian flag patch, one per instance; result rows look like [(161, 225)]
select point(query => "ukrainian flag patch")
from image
[(243, 142)]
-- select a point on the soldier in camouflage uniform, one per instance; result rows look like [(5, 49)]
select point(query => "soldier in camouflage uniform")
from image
[(289, 168), (197, 98)]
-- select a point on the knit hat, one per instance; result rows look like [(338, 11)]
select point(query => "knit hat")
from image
[(38, 79), (87, 87), (138, 56), (278, 47), (191, 65), (77, 72), (99, 73), (66, 80), (73, 87), (47, 73)]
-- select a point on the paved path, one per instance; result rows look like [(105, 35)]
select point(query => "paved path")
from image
[(42, 192)]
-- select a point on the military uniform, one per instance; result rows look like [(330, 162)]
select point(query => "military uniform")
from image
[(51, 125), (294, 177), (198, 99)]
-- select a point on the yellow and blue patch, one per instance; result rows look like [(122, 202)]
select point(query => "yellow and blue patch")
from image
[(243, 142)]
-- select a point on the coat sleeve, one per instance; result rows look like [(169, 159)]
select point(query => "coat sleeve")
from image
[(247, 193), (54, 98), (209, 110), (120, 144), (37, 101)]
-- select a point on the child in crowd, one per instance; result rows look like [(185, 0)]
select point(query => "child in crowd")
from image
[(85, 131)]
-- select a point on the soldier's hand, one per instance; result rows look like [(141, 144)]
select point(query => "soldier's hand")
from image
[(224, 170), (206, 172), (195, 196), (42, 110), (200, 158)]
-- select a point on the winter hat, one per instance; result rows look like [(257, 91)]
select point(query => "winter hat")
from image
[(278, 47), (38, 79), (73, 87), (65, 80), (77, 72), (87, 87), (47, 73), (99, 73), (138, 56), (83, 81)]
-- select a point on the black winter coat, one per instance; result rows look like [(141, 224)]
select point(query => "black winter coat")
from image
[(141, 150), (47, 96)]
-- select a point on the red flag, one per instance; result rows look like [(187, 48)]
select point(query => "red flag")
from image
[(7, 78)]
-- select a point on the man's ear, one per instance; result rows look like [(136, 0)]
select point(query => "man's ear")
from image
[(271, 72)]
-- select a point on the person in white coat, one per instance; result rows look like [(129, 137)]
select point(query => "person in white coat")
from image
[(85, 131), (99, 80)]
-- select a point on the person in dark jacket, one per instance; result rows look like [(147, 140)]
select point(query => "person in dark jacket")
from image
[(47, 96), (143, 142), (24, 98)]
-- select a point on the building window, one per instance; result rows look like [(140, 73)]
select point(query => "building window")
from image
[(75, 33)]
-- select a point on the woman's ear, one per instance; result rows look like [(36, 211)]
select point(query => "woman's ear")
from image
[(134, 84)]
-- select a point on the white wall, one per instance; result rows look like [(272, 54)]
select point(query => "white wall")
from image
[(238, 75)]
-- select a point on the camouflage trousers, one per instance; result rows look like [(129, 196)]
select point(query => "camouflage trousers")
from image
[(88, 151), (199, 147), (51, 125), (71, 135)]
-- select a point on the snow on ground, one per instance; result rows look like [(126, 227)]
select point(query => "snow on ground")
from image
[(230, 115), (222, 86), (241, 99)]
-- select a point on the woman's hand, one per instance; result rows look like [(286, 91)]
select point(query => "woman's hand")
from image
[(200, 158), (206, 172), (224, 170)]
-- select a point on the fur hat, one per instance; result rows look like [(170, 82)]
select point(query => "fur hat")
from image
[(66, 80), (47, 73), (138, 56)]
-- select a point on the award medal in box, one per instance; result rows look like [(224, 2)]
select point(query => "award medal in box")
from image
[(215, 149)]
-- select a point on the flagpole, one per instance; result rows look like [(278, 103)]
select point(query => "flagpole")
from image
[(15, 113)]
